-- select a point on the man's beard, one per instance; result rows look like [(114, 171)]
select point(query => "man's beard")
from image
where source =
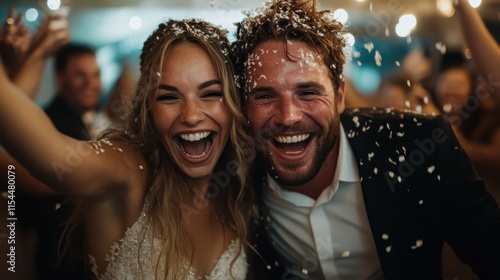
[(287, 174)]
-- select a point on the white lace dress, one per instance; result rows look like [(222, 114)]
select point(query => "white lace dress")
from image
[(131, 259)]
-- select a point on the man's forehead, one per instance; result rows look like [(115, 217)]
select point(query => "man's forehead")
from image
[(274, 49)]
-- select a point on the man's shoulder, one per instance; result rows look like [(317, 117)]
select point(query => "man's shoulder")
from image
[(377, 114), (372, 121)]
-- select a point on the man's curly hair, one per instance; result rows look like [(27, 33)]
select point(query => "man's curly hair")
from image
[(292, 20)]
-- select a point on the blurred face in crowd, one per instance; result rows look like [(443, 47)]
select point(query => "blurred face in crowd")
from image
[(80, 84), (453, 90), (293, 109)]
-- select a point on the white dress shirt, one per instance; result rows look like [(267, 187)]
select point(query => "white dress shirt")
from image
[(327, 238)]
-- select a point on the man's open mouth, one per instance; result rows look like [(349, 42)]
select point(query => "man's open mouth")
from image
[(292, 144)]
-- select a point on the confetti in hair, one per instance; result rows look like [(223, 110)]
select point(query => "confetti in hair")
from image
[(196, 29), (289, 20)]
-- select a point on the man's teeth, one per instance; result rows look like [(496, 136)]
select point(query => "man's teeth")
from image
[(194, 136), (292, 139)]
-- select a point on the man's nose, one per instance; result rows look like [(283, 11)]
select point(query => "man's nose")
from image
[(289, 112)]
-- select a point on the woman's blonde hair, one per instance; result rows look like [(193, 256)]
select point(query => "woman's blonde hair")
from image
[(167, 184)]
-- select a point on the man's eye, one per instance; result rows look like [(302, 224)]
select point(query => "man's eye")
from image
[(308, 92), (166, 97)]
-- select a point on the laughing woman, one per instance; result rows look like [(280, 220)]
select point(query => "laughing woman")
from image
[(164, 197)]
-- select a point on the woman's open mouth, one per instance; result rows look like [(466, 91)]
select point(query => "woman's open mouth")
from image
[(195, 145)]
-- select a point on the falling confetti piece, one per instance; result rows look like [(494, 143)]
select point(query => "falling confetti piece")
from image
[(397, 63), (58, 205), (441, 47), (385, 236), (388, 249), (387, 33), (375, 170), (305, 271), (141, 167), (421, 202), (431, 169), (345, 254), (378, 59), (369, 47), (370, 155)]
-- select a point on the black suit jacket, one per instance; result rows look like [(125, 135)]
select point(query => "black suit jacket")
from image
[(66, 119), (419, 191)]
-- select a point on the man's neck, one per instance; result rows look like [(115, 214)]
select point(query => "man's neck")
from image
[(323, 179)]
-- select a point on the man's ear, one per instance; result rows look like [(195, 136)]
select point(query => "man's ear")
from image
[(341, 92)]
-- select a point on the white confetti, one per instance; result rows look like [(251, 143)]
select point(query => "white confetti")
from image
[(431, 169), (421, 202), (369, 47), (418, 244), (58, 205), (385, 236), (397, 63), (441, 47), (345, 254), (370, 155), (388, 249), (141, 167), (378, 59), (401, 158), (375, 170), (391, 174)]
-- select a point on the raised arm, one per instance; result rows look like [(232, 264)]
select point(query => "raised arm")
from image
[(50, 36), (485, 50), (71, 167), (14, 41), (24, 180)]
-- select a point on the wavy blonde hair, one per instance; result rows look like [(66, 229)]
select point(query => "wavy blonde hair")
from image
[(234, 201)]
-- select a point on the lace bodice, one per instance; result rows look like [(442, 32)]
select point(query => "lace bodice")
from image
[(131, 259)]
